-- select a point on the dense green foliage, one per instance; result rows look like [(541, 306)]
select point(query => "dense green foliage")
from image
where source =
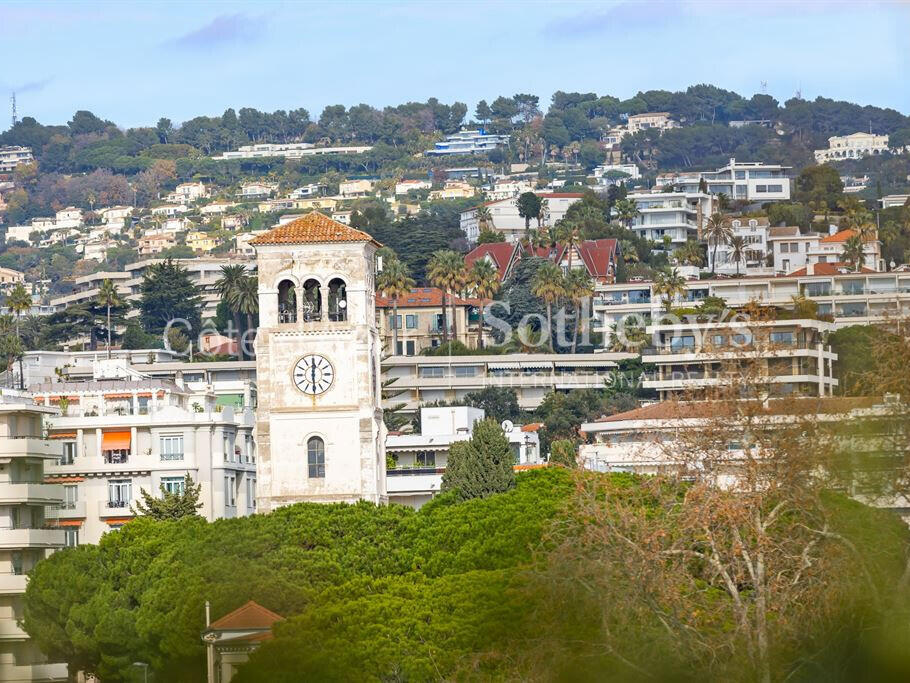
[(171, 505), (480, 466), (169, 294)]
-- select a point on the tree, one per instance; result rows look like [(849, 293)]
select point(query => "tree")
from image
[(717, 231), (484, 218), (446, 270), (738, 250), (669, 285), (483, 112), (167, 293), (689, 254), (229, 286), (136, 338), (579, 288), (248, 300), (171, 504), (490, 237), (626, 210), (529, 205), (394, 282), (108, 297), (498, 403), (563, 452), (853, 252), (819, 186), (19, 301), (481, 466), (483, 279), (549, 285)]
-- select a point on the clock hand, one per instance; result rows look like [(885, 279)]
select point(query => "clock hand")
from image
[(313, 371)]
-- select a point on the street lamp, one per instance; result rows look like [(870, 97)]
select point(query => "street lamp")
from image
[(145, 670)]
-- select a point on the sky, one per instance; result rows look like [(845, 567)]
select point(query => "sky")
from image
[(134, 62)]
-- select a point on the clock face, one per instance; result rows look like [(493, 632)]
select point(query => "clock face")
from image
[(313, 374)]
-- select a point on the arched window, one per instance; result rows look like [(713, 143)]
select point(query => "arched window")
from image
[(338, 300), (315, 457), (312, 301), (287, 302)]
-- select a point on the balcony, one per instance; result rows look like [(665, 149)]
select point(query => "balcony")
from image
[(32, 493), (32, 672), (12, 584), (31, 447), (9, 630), (116, 508), (71, 510), (31, 538)]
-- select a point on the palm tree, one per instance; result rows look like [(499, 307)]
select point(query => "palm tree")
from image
[(484, 218), (668, 285), (446, 270), (629, 252), (738, 250), (108, 297), (394, 282), (570, 236), (717, 231), (548, 284), (18, 301), (247, 301), (483, 278), (853, 252), (689, 254), (228, 286), (579, 287), (626, 210)]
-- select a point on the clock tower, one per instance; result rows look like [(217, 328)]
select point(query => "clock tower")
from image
[(319, 430)]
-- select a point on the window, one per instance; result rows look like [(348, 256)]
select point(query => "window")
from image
[(250, 446), (761, 188), (171, 446), (173, 485), (775, 188), (718, 340), (287, 302), (410, 321), (782, 338), (432, 371), (228, 446), (465, 371), (69, 453), (410, 348), (315, 456), (230, 490), (394, 322), (70, 496), (250, 493), (70, 537), (119, 493), (741, 339), (426, 458)]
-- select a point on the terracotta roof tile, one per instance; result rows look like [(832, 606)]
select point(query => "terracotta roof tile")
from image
[(250, 615), (422, 296), (313, 228), (829, 269), (841, 236)]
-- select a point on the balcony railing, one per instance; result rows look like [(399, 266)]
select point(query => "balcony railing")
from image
[(114, 458), (172, 456)]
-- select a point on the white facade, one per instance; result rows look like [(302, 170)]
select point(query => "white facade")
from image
[(505, 219), (420, 460), (468, 142), (891, 200), (120, 436), (27, 505), (185, 193), (659, 119), (402, 187), (10, 157), (608, 174), (355, 188), (854, 146), (748, 181), (792, 250), (678, 216), (320, 432), (311, 190), (70, 217), (291, 150), (754, 232)]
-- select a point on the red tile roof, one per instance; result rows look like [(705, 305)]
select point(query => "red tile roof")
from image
[(252, 615), (500, 252), (422, 297), (313, 228), (829, 269), (841, 236)]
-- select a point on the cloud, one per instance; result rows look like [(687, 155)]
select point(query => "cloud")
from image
[(620, 18), (29, 86), (225, 29)]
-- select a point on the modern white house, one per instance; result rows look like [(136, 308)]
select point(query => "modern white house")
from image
[(506, 220), (792, 250), (402, 187), (418, 461), (290, 150), (124, 432), (657, 119), (750, 181), (671, 218), (186, 193), (891, 200), (70, 217), (854, 146), (754, 259), (467, 142), (12, 156), (27, 507)]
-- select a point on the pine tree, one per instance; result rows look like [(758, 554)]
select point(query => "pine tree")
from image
[(171, 505), (481, 466)]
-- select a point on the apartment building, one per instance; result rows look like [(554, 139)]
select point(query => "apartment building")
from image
[(467, 142), (419, 380), (749, 181), (257, 190), (12, 156), (420, 323), (892, 200), (27, 505), (850, 298), (132, 433), (671, 218), (155, 244), (169, 210), (201, 242), (290, 150), (754, 259), (504, 217), (613, 174), (402, 187), (418, 461), (658, 119), (789, 357), (793, 250), (186, 193), (854, 146), (453, 189)]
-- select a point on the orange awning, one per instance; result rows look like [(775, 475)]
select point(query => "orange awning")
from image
[(115, 441), (62, 480), (70, 522), (62, 435), (118, 521)]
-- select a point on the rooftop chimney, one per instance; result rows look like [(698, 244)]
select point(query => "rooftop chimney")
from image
[(810, 269)]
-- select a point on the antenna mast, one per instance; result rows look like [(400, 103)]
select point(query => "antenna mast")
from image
[(12, 101)]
